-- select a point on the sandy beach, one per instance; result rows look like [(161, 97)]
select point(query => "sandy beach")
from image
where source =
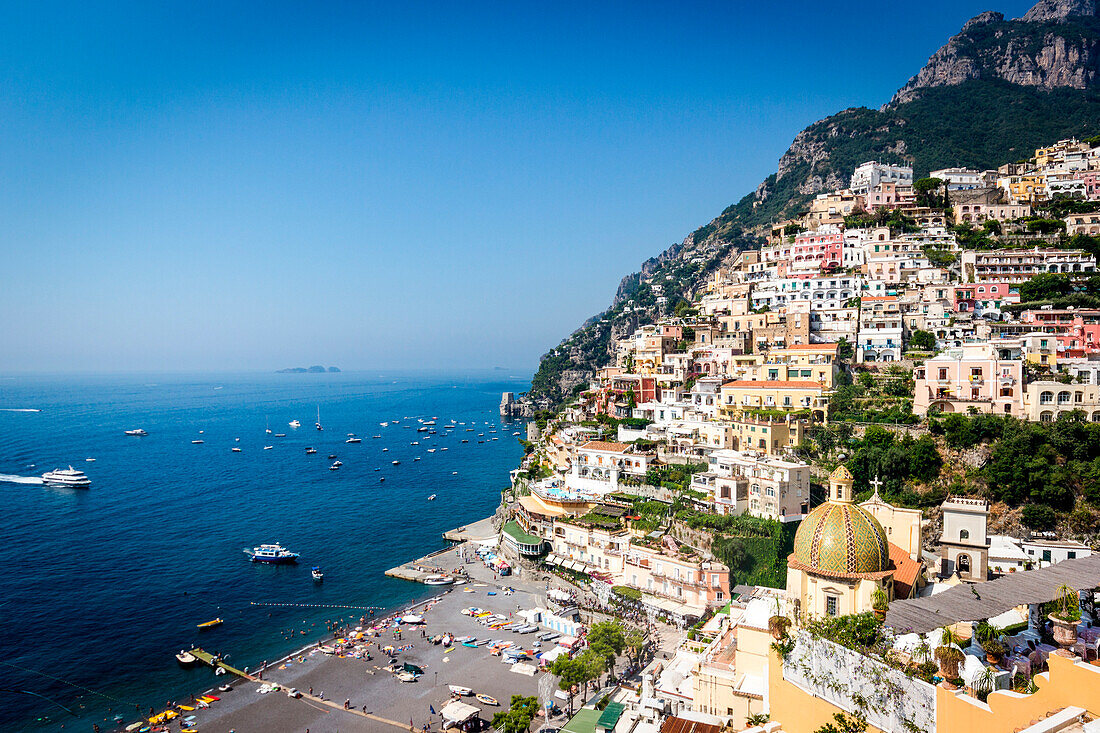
[(389, 703)]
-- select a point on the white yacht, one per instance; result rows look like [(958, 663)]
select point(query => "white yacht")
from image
[(295, 424), (138, 432), (275, 553), (70, 478)]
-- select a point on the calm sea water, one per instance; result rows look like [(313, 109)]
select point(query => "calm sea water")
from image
[(102, 587)]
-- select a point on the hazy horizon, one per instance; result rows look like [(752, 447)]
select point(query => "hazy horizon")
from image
[(239, 186)]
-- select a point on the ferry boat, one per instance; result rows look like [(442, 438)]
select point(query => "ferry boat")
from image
[(275, 553), (69, 478), (317, 574), (294, 424), (137, 432)]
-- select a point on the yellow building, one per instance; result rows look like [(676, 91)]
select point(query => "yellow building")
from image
[(771, 437), (1024, 189), (742, 395)]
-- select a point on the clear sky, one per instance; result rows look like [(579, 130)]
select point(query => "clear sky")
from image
[(225, 185)]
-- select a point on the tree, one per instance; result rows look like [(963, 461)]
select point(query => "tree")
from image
[(635, 642), (844, 350), (922, 341), (606, 639), (571, 673), (1040, 517), (756, 719), (1045, 286), (517, 719)]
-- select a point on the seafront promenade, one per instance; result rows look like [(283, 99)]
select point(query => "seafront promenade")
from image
[(378, 700)]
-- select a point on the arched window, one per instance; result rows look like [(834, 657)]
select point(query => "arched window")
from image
[(1046, 416), (964, 534), (1046, 398), (1063, 398)]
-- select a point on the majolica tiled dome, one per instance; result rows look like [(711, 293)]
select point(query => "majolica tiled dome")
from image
[(841, 538)]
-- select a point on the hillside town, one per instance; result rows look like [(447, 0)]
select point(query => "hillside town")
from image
[(808, 470)]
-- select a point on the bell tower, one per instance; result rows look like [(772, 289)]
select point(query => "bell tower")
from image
[(840, 485)]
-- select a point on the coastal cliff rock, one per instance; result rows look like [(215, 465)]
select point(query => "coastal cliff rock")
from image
[(1056, 44)]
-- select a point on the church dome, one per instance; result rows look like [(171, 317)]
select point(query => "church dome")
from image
[(841, 538)]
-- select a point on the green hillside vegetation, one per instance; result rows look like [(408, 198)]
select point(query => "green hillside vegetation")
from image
[(978, 124)]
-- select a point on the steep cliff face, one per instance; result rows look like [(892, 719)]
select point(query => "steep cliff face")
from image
[(1055, 45), (993, 93)]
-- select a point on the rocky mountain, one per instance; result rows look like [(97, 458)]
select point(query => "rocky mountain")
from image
[(1054, 45), (994, 92)]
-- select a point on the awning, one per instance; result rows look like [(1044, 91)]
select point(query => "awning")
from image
[(981, 601), (458, 712)]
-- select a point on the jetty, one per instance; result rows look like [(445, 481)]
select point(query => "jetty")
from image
[(424, 567)]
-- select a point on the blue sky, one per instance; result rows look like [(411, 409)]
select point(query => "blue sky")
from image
[(225, 185)]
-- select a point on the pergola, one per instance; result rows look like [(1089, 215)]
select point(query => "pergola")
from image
[(980, 601)]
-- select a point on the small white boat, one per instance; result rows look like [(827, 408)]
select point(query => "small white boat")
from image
[(460, 690), (485, 699), (317, 574), (385, 450), (280, 435), (310, 451), (294, 424), (376, 436), (138, 432), (197, 442), (354, 440), (417, 458), (89, 460), (235, 449), (268, 447), (396, 463), (412, 618), (431, 450), (334, 467), (431, 498), (384, 424), (438, 580)]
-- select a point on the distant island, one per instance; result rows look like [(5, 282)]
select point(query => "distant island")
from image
[(317, 369)]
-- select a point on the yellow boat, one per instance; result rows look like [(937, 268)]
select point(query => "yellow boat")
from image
[(210, 624), (163, 717), (185, 707)]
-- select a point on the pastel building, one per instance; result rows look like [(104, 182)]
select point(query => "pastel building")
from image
[(986, 376)]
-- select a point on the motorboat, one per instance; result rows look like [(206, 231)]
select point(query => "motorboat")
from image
[(384, 424), (396, 463), (354, 440), (338, 463), (416, 459), (66, 477), (186, 659), (460, 690), (421, 430), (431, 498), (295, 424), (438, 580), (318, 423), (335, 467), (385, 450), (376, 436), (331, 456), (465, 441), (209, 624), (310, 451), (431, 450), (274, 553), (137, 432), (197, 442), (235, 449), (317, 574), (280, 435), (268, 447)]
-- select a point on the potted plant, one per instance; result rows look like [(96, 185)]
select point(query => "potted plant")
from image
[(949, 655), (989, 637), (778, 624), (1066, 616), (983, 683), (880, 602)]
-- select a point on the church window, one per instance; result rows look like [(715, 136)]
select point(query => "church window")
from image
[(964, 534), (831, 605)]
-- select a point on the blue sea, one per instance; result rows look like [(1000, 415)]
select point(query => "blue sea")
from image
[(102, 587)]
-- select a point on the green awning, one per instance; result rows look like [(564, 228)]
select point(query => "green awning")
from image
[(516, 532), (583, 722), (610, 716)]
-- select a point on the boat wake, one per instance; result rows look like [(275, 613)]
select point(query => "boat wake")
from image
[(8, 478)]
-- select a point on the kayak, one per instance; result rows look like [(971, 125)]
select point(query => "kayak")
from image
[(210, 624), (185, 707)]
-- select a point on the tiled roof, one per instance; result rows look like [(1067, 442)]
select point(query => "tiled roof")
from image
[(772, 384), (605, 445), (683, 725), (906, 570)]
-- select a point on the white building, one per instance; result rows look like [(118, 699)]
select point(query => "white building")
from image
[(959, 179), (871, 175)]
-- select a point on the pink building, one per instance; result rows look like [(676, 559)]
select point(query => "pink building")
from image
[(1077, 331), (986, 376), (666, 570), (975, 298), (1092, 184), (823, 248)]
